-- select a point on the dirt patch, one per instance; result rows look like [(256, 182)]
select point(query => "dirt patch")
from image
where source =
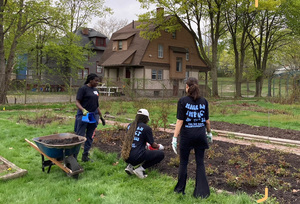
[(255, 130), (3, 167), (229, 166), (60, 141), (41, 120)]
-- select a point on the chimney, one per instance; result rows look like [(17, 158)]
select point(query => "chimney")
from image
[(133, 24), (85, 31), (159, 12)]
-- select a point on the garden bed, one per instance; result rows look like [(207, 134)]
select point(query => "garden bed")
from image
[(229, 166), (9, 170)]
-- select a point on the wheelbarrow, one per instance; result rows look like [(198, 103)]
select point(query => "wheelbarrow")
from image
[(60, 150)]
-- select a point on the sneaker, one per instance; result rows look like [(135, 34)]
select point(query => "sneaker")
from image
[(140, 172), (129, 169)]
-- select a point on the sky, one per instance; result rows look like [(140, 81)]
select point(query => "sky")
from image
[(125, 9)]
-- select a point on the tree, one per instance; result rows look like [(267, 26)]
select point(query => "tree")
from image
[(81, 11), (16, 19), (270, 34), (239, 20), (192, 14), (108, 27), (291, 9)]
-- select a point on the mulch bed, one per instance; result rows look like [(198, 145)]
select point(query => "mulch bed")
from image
[(230, 166)]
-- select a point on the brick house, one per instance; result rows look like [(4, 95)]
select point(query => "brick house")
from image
[(152, 68)]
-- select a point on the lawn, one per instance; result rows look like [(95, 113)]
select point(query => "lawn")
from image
[(104, 180)]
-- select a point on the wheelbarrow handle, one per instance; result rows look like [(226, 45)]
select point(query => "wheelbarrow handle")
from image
[(66, 169)]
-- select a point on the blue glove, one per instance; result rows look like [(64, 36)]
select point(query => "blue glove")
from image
[(174, 144), (209, 137)]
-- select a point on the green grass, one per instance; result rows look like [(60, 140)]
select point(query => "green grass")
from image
[(101, 182)]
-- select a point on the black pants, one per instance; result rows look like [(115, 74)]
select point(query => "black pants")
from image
[(150, 158), (201, 186)]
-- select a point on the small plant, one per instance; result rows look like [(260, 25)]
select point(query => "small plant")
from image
[(234, 150), (210, 170), (174, 161)]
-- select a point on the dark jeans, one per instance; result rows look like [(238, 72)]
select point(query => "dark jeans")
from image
[(87, 130), (201, 186), (150, 158)]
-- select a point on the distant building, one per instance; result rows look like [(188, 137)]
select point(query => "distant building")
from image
[(152, 68)]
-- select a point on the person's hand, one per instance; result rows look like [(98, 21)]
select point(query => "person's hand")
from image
[(85, 112), (209, 137), (103, 121), (174, 144), (161, 147)]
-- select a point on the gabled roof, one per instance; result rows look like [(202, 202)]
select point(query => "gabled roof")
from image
[(89, 35), (136, 49)]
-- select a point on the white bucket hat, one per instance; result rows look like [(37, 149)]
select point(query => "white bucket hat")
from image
[(143, 112)]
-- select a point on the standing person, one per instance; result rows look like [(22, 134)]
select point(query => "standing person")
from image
[(87, 101), (192, 124), (133, 149)]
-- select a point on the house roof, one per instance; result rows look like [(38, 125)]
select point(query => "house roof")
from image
[(136, 49), (87, 34)]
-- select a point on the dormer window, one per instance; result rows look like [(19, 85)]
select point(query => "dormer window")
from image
[(120, 45), (100, 42)]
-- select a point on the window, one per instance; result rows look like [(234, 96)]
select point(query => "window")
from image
[(100, 42), (174, 34), (120, 45), (178, 64), (85, 73), (82, 74), (154, 74), (187, 74), (99, 69), (157, 74), (160, 51), (187, 55)]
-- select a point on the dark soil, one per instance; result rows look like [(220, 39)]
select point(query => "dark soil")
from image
[(60, 141), (255, 130), (230, 166)]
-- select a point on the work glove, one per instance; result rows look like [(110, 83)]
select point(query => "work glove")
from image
[(85, 112), (103, 121), (174, 144), (209, 137), (161, 147)]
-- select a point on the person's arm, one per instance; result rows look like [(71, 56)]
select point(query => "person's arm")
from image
[(79, 106), (178, 127), (208, 129), (100, 114)]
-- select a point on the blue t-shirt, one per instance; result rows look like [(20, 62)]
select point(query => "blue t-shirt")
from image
[(194, 114)]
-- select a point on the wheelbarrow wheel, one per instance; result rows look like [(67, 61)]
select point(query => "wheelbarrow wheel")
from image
[(73, 165)]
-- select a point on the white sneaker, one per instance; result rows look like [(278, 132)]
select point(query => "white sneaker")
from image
[(140, 172), (129, 169)]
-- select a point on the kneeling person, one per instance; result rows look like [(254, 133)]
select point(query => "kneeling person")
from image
[(133, 150)]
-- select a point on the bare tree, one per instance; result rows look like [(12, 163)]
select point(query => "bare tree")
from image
[(109, 26)]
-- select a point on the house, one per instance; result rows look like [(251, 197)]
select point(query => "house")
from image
[(151, 68), (41, 81), (98, 43)]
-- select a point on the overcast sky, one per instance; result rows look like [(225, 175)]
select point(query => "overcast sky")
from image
[(124, 9)]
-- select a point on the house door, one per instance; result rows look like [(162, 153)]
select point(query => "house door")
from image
[(175, 87), (128, 75)]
